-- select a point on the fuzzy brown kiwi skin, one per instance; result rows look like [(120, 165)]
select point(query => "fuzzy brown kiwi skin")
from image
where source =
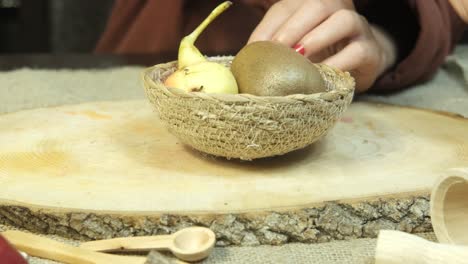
[(266, 68)]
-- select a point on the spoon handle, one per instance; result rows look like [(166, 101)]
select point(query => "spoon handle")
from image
[(42, 247), (395, 247), (128, 244)]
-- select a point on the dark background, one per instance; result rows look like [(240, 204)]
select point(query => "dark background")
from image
[(54, 26), (51, 26)]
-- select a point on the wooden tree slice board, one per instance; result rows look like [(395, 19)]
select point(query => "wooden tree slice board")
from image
[(112, 169)]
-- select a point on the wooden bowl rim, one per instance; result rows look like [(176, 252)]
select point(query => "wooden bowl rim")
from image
[(438, 203)]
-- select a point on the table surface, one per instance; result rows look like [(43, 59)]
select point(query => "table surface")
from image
[(448, 91), (80, 60)]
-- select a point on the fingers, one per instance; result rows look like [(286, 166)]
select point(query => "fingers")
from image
[(354, 55), (306, 17), (360, 58), (292, 21), (277, 15), (343, 24), (330, 31)]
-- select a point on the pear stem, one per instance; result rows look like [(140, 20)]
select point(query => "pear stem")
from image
[(188, 53), (213, 15)]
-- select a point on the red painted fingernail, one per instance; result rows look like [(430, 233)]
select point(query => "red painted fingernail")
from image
[(299, 48)]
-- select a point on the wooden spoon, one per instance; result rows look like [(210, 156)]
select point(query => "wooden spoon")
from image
[(396, 247), (449, 207), (189, 244), (43, 247)]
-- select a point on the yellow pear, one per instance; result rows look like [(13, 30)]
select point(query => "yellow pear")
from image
[(194, 72)]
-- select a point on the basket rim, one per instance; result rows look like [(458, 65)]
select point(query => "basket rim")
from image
[(338, 92)]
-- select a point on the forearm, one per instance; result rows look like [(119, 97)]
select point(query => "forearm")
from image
[(424, 32)]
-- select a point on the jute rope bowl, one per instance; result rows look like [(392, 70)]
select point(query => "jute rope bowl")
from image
[(246, 126)]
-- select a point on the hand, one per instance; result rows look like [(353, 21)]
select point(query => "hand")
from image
[(461, 7), (330, 32)]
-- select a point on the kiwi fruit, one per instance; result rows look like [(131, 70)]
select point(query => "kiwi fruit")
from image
[(267, 68)]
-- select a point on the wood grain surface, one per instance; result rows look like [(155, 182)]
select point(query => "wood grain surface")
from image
[(114, 161)]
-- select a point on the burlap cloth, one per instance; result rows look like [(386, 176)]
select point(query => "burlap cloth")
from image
[(26, 88)]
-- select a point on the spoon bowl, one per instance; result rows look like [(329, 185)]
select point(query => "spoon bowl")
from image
[(193, 243)]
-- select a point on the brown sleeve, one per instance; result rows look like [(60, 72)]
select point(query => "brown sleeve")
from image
[(425, 31), (156, 26), (140, 26)]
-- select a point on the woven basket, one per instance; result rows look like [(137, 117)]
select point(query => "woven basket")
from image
[(246, 126)]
